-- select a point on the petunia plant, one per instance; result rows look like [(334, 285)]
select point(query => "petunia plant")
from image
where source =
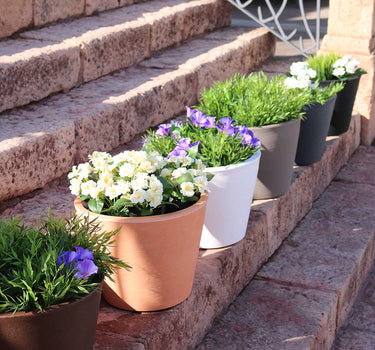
[(138, 183), (216, 141), (58, 261)]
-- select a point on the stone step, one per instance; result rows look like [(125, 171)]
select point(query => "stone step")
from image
[(222, 274), (60, 57), (302, 295), (40, 142), (17, 15)]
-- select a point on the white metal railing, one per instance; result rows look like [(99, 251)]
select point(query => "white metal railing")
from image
[(277, 28)]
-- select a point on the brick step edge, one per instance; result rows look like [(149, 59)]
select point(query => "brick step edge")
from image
[(25, 14), (222, 274), (303, 294), (42, 141), (45, 61)]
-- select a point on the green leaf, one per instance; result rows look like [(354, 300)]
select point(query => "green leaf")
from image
[(122, 202), (96, 205), (209, 176), (185, 178)]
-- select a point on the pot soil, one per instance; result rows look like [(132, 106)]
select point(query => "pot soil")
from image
[(162, 251)]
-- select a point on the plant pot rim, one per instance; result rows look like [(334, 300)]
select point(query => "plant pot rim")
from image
[(312, 104), (270, 126), (338, 80), (52, 308), (224, 168), (142, 219)]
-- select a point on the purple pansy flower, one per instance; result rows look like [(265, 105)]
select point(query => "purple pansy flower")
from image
[(210, 122), (190, 111), (80, 260), (199, 119), (85, 268), (226, 121)]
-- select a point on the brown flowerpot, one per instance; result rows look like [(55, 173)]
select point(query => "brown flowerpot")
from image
[(64, 326), (162, 251)]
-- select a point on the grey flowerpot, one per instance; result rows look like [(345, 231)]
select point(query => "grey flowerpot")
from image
[(278, 147), (314, 131)]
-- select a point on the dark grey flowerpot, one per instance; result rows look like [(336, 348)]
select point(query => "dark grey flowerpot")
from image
[(342, 113), (279, 145), (313, 132)]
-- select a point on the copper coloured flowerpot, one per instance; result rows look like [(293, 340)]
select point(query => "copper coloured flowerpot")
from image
[(162, 251)]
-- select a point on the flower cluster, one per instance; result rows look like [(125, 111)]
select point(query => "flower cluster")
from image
[(301, 76), (216, 142), (136, 183), (345, 67), (81, 260)]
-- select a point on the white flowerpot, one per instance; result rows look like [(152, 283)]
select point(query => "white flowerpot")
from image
[(229, 203)]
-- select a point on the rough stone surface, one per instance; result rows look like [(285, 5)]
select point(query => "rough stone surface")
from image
[(31, 70), (338, 239), (358, 331), (14, 15), (25, 142), (94, 6), (47, 11), (130, 101), (275, 317)]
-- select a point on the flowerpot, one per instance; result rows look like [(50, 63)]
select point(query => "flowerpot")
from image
[(278, 147), (229, 203), (342, 113), (162, 251), (64, 326), (314, 131)]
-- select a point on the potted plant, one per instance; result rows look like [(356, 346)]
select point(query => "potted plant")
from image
[(318, 112), (157, 205), (50, 281), (231, 154), (335, 68), (272, 112)]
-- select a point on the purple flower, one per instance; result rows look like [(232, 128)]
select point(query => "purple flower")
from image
[(210, 122), (85, 268), (229, 130), (84, 253), (163, 129), (190, 111), (176, 123), (177, 152), (182, 146), (184, 143), (199, 119), (226, 121), (66, 258)]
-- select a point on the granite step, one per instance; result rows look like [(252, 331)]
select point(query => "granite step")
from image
[(303, 294), (40, 142), (59, 57), (222, 274), (17, 15)]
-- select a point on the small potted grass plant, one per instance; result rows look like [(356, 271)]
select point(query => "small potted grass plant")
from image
[(157, 205), (315, 124), (336, 68), (272, 112), (50, 282), (232, 156)]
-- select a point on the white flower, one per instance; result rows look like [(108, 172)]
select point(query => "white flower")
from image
[(138, 196), (136, 157), (81, 172), (186, 161), (187, 189), (105, 180), (174, 159), (124, 186), (113, 191), (311, 73), (165, 172), (157, 160), (127, 170), (146, 166), (298, 68), (87, 187), (339, 72), (154, 198), (341, 62), (352, 66), (201, 183), (75, 186), (140, 182), (294, 83), (200, 165), (178, 172), (101, 160), (155, 185)]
